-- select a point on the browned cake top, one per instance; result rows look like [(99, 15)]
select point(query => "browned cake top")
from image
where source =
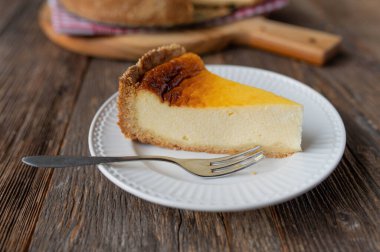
[(184, 81), (165, 80)]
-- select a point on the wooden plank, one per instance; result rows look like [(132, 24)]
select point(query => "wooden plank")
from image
[(360, 24), (340, 213), (76, 212), (84, 211), (351, 82), (9, 11), (39, 83)]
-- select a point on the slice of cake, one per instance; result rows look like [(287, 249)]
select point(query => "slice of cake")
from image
[(170, 99)]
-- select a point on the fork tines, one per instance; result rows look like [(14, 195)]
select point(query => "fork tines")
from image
[(238, 161)]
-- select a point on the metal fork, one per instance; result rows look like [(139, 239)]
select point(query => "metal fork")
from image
[(201, 167)]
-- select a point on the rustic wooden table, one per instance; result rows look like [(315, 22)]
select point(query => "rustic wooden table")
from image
[(49, 97)]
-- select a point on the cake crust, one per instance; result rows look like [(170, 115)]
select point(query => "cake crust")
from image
[(133, 12), (130, 83)]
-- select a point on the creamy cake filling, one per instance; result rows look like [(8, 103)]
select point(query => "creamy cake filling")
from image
[(276, 127)]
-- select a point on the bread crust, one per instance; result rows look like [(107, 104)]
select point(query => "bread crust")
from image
[(133, 12), (129, 83)]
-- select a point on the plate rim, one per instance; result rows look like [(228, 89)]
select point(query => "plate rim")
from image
[(231, 208)]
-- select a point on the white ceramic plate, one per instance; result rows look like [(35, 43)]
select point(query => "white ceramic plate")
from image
[(269, 182)]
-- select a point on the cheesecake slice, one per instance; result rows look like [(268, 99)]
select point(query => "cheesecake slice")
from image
[(171, 100)]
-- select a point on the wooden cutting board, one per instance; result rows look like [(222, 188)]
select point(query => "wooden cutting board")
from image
[(305, 44)]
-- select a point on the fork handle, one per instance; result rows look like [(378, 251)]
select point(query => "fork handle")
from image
[(67, 161)]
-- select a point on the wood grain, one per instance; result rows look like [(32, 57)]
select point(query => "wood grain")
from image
[(9, 10), (47, 100), (312, 46), (123, 221), (34, 89)]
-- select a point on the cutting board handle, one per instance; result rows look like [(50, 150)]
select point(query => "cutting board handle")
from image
[(301, 43), (305, 44)]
